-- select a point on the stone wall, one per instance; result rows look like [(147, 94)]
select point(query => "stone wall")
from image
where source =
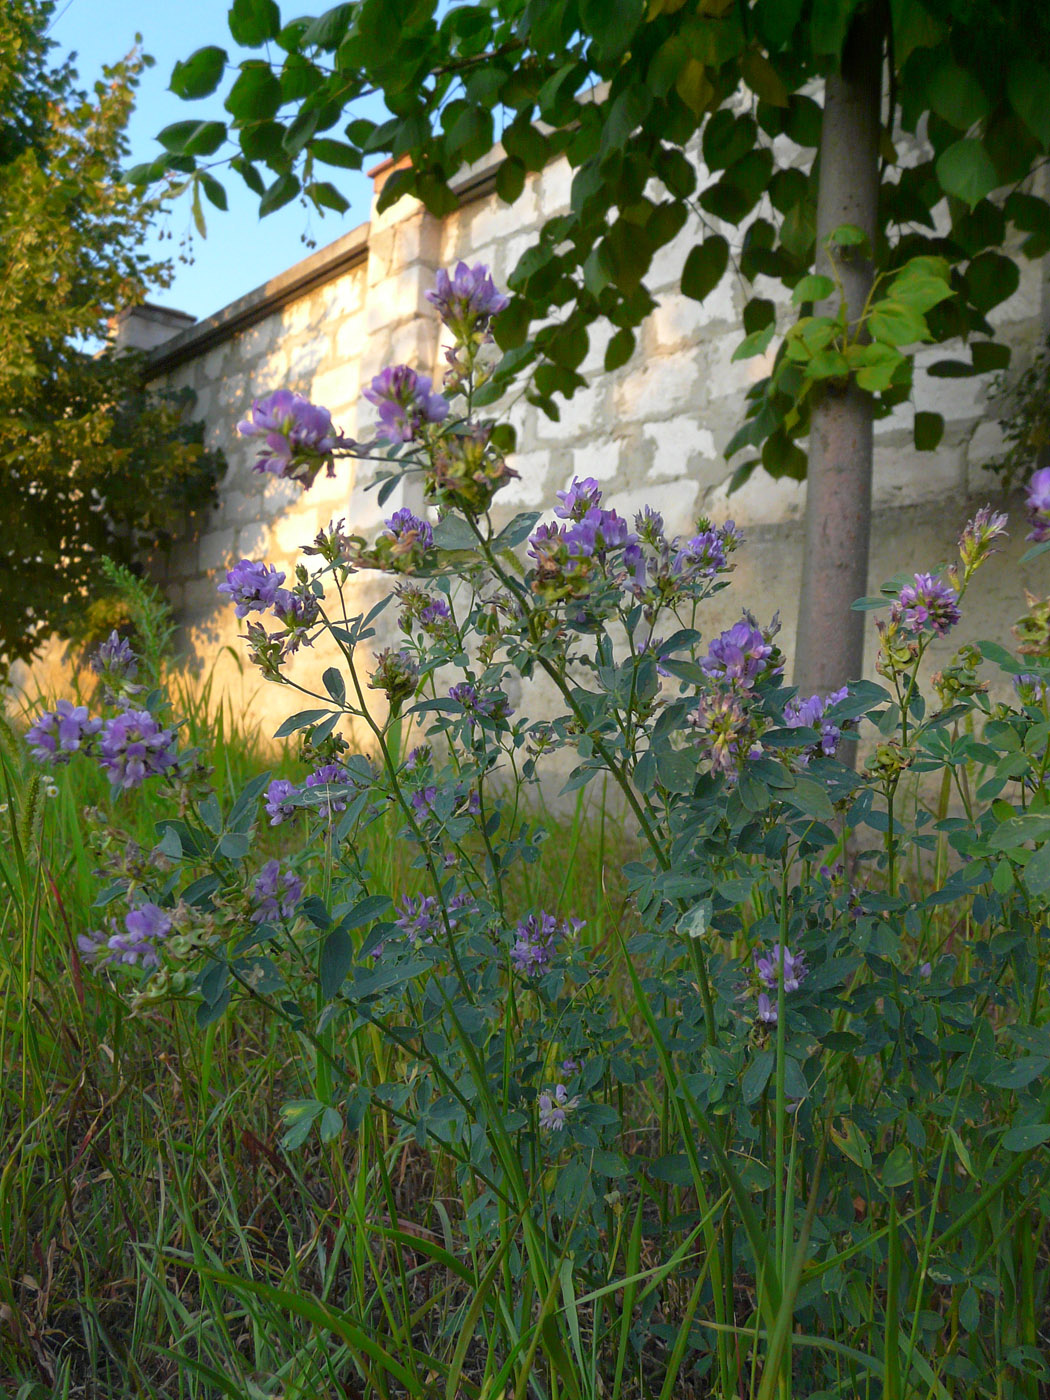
[(653, 432)]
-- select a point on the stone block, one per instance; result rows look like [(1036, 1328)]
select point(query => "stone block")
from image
[(907, 477), (254, 540), (676, 501), (530, 488), (350, 338), (585, 413), (677, 446), (217, 549), (555, 188), (762, 500), (600, 459), (660, 388)]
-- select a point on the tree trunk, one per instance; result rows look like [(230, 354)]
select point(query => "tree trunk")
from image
[(829, 648)]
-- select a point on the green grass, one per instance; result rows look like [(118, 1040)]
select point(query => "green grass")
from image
[(156, 1240)]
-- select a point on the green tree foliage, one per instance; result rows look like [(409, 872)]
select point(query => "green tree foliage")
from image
[(90, 464), (634, 93)]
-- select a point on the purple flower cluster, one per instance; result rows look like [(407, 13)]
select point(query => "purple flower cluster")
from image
[(420, 917), (279, 806), (1037, 505), (927, 605), (405, 403), (424, 801), (743, 654), (59, 733), (298, 436), (146, 926), (134, 746), (327, 776), (768, 969), (555, 1105), (421, 609), (252, 585), (275, 893), (723, 720), (402, 546), (534, 940), (479, 705), (466, 300), (809, 714), (396, 674), (115, 659), (1030, 689), (581, 497), (979, 535)]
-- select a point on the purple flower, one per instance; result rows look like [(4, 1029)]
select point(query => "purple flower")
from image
[(1037, 504), (297, 609), (405, 403), (133, 747), (60, 732), (555, 1105), (492, 704), (722, 718), (927, 605), (275, 893), (145, 927), (466, 300), (1031, 689), (768, 969), (299, 437), (327, 776), (767, 1009), (115, 659), (252, 585), (979, 534), (278, 806), (702, 556), (809, 714), (583, 495), (409, 532), (740, 654), (420, 917), (534, 939)]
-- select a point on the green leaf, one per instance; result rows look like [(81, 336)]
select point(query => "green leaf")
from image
[(763, 79), (1026, 1136), (335, 153), (990, 279), (206, 139), (1026, 87), (895, 323), (956, 95), (174, 138), (281, 192), (1036, 874), (611, 23), (454, 533), (302, 720), (324, 194), (812, 288), (337, 954), (966, 171), (1018, 1074), (619, 350), (519, 529), (365, 911), (704, 267), (929, 429), (810, 799), (827, 364), (757, 343), (256, 95), (215, 192), (252, 22), (875, 365), (329, 30), (829, 25), (200, 74), (897, 1168), (1015, 831)]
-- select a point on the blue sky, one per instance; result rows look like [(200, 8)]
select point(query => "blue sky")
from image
[(241, 251)]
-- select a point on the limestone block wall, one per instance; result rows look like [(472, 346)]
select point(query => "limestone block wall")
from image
[(653, 433)]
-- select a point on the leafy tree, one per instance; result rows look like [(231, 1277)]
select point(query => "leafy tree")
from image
[(881, 254), (91, 465)]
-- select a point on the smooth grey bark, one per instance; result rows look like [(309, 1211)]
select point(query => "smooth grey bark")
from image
[(829, 647)]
